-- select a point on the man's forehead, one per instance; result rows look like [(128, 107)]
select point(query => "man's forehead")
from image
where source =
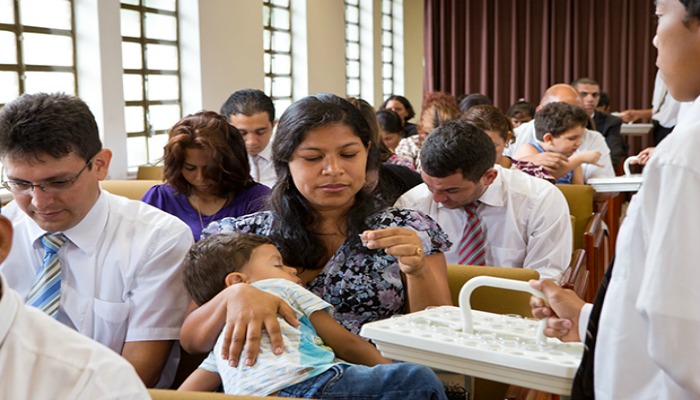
[(587, 88)]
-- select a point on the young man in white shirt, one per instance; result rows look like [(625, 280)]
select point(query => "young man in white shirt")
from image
[(525, 219), (646, 344), (252, 112), (63, 363), (120, 276), (608, 125)]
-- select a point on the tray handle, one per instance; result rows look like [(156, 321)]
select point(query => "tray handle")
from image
[(511, 284)]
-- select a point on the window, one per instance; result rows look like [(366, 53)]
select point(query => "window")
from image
[(151, 62), (38, 48), (387, 47), (277, 42), (352, 48)]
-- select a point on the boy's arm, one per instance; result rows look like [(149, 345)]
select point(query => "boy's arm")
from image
[(528, 152), (525, 151), (577, 178), (201, 380), (346, 346)]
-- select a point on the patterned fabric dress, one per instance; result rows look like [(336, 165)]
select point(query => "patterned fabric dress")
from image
[(362, 285)]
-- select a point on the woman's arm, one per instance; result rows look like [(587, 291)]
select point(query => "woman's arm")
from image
[(428, 286), (201, 381), (426, 276), (245, 311), (345, 345)]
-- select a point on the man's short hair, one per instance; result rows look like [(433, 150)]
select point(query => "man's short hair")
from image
[(692, 8), (248, 102), (585, 81), (54, 124), (209, 261), (458, 146), (557, 118)]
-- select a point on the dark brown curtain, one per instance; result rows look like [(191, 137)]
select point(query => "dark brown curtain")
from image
[(508, 49)]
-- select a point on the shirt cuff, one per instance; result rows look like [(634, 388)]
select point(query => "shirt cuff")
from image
[(583, 318)]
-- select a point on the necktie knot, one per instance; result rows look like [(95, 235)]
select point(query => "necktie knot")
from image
[(53, 241), (471, 208)]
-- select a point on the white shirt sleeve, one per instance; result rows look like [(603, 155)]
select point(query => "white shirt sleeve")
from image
[(548, 230)]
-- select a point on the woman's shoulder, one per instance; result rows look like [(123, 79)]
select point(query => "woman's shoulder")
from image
[(402, 217), (159, 193), (431, 235), (259, 222)]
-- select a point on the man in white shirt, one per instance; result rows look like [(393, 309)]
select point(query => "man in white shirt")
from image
[(42, 359), (525, 219), (608, 125), (646, 345), (591, 140), (120, 277), (252, 112)]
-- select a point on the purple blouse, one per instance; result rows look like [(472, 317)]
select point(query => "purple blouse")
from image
[(163, 196)]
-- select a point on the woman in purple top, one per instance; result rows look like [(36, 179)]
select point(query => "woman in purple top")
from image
[(207, 176)]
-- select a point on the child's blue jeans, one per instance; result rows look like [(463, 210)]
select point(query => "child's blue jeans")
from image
[(400, 381)]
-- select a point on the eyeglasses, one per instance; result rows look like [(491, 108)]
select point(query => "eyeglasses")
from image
[(50, 187)]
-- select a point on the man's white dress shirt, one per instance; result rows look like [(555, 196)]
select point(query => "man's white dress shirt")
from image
[(526, 220), (122, 279), (263, 170), (647, 345), (42, 359)]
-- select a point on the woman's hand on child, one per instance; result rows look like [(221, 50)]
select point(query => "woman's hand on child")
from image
[(248, 312), (402, 243)]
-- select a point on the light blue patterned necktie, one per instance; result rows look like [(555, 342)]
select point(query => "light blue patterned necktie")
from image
[(46, 289)]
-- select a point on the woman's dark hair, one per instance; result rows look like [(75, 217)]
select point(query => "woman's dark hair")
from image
[(521, 108), (406, 104), (489, 118), (210, 132), (390, 121), (294, 219), (370, 116), (472, 100)]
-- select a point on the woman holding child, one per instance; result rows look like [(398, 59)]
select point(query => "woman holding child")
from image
[(369, 263)]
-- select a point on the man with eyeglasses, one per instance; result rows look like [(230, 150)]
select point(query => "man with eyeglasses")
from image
[(101, 264)]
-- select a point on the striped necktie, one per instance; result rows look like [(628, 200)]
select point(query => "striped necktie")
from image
[(472, 250), (45, 293)]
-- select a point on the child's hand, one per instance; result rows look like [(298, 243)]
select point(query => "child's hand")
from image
[(590, 157)]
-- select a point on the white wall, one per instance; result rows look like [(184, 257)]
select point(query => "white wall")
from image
[(221, 52)]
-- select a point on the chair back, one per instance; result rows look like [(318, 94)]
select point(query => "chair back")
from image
[(580, 200), (494, 300), (576, 276), (131, 189), (596, 245), (150, 172)]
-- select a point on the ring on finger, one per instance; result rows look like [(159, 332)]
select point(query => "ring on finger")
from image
[(419, 251)]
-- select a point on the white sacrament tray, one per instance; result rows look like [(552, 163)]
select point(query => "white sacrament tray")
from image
[(504, 348)]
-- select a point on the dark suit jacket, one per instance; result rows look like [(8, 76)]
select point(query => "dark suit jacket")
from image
[(609, 126)]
